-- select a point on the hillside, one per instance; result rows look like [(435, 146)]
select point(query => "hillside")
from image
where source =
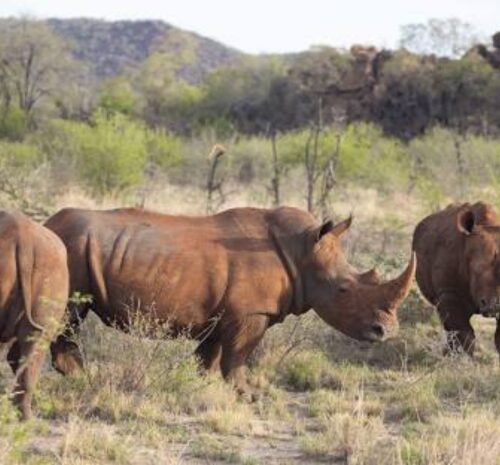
[(109, 48)]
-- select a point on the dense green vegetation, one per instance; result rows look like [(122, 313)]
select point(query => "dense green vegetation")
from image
[(394, 121)]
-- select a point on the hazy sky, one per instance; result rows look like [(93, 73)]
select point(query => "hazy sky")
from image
[(275, 25)]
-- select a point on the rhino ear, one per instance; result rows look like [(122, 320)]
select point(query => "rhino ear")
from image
[(324, 229), (466, 221), (336, 229), (340, 228)]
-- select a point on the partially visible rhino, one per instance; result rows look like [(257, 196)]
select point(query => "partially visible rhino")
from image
[(250, 266), (34, 286), (458, 268)]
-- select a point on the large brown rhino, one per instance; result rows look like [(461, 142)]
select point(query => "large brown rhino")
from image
[(458, 268), (34, 286), (250, 266)]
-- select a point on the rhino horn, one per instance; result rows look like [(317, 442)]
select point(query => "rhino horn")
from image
[(396, 290)]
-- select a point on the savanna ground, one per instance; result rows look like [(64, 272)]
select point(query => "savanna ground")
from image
[(325, 398), (422, 132)]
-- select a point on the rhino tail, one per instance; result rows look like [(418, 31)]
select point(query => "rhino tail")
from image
[(25, 266)]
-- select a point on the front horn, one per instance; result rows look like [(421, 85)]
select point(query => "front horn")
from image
[(397, 289)]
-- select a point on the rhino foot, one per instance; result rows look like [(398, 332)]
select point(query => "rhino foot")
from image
[(248, 393), (66, 357)]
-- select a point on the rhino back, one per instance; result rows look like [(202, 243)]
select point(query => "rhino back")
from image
[(181, 268)]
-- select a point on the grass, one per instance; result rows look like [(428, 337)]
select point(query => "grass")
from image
[(210, 448), (466, 438), (308, 371), (95, 443), (410, 407), (13, 435), (353, 438), (325, 398)]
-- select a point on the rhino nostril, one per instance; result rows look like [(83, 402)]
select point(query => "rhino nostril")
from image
[(483, 302), (378, 330)]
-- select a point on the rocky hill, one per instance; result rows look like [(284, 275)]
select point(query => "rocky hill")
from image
[(111, 47)]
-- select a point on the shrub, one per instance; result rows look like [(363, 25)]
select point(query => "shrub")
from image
[(375, 160), (13, 124), (164, 149), (117, 96), (20, 156), (111, 154)]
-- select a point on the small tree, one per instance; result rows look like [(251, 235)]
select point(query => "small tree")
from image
[(320, 164), (166, 97), (450, 37), (34, 63), (277, 172)]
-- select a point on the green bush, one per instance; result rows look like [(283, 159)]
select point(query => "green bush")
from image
[(369, 157), (117, 96), (365, 155), (449, 166), (13, 124), (19, 156), (164, 149), (110, 154)]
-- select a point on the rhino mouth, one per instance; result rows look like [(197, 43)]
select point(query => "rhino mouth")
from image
[(372, 338), (375, 333), (494, 313), (490, 311)]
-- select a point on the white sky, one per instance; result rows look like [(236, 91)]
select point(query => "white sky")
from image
[(275, 25)]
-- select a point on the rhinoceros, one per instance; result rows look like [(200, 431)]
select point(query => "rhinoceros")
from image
[(458, 268), (251, 267), (34, 284)]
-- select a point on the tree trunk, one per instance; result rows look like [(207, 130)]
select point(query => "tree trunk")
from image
[(276, 180)]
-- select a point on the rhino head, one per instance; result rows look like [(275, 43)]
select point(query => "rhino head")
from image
[(480, 228), (358, 304)]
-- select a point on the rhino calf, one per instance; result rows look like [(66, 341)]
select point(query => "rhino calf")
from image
[(34, 286), (252, 267), (458, 268)]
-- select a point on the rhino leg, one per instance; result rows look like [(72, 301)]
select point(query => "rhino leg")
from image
[(239, 337), (67, 358), (459, 332), (210, 353), (497, 336), (25, 358), (460, 340)]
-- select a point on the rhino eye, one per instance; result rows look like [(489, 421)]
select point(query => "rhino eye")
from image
[(343, 289)]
